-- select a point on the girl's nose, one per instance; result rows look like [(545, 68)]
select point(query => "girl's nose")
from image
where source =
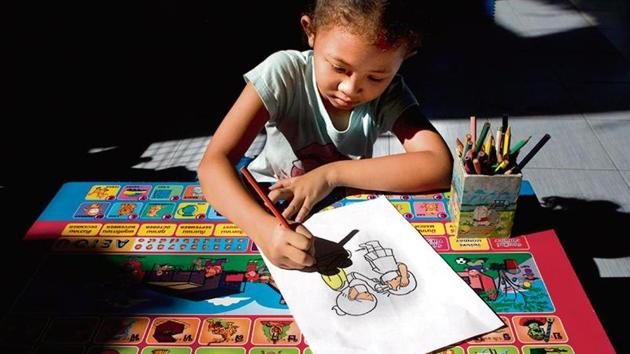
[(349, 87)]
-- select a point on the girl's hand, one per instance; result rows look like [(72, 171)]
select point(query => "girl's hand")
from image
[(303, 192), (289, 249)]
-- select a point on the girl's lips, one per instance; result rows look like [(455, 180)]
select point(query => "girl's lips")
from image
[(343, 102)]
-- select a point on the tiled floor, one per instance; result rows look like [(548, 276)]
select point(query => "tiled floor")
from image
[(554, 66), (588, 156)]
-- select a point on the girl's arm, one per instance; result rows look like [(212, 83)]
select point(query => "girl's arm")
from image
[(426, 165), (223, 190)]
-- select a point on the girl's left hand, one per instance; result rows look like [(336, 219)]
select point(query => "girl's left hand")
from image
[(303, 192)]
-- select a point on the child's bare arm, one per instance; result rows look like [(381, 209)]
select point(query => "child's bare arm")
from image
[(224, 191)]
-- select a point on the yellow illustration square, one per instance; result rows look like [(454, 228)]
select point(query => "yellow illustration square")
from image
[(404, 208), (102, 192), (195, 210)]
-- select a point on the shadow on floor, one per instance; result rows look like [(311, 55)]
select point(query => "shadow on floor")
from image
[(587, 229)]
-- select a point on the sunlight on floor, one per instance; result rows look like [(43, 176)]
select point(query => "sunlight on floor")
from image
[(613, 267), (540, 20), (185, 152)]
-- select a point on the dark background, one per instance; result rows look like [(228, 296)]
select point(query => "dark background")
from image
[(86, 74)]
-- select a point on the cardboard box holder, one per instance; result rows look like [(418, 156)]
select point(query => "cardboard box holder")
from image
[(483, 205)]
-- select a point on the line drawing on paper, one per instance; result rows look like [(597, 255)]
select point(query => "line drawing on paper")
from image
[(358, 293)]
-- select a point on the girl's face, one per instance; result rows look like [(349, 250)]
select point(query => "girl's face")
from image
[(350, 70)]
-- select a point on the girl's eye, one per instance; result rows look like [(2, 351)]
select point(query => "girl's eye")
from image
[(339, 69), (375, 79)]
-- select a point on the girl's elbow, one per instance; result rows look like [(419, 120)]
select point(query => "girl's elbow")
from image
[(202, 169), (445, 181), (445, 172)]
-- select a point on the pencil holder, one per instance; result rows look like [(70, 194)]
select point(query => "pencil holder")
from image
[(483, 205)]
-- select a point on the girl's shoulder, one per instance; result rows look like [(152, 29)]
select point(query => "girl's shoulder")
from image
[(292, 60)]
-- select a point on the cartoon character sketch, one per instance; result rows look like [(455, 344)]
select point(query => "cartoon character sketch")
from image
[(355, 298), (358, 293), (483, 216), (395, 278)]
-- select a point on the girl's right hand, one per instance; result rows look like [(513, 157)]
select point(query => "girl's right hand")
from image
[(289, 248)]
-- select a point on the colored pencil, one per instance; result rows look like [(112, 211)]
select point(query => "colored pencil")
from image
[(264, 197), (482, 136), (517, 147), (529, 155), (506, 143)]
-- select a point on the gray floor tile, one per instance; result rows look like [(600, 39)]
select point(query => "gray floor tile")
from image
[(387, 144), (505, 16), (572, 144), (613, 130), (613, 268), (381, 146), (626, 177), (581, 184)]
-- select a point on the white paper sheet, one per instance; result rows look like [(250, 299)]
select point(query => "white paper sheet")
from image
[(370, 307)]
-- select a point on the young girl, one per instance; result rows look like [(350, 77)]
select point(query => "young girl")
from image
[(322, 110)]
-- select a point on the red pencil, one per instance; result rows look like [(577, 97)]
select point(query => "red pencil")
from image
[(265, 198)]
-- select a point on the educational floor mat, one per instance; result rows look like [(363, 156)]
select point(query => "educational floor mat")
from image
[(150, 268)]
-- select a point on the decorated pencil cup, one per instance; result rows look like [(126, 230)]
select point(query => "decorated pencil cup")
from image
[(483, 205)]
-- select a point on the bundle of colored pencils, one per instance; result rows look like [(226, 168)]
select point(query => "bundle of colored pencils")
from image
[(487, 155)]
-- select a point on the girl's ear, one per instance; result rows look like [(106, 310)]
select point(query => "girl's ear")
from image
[(307, 25)]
